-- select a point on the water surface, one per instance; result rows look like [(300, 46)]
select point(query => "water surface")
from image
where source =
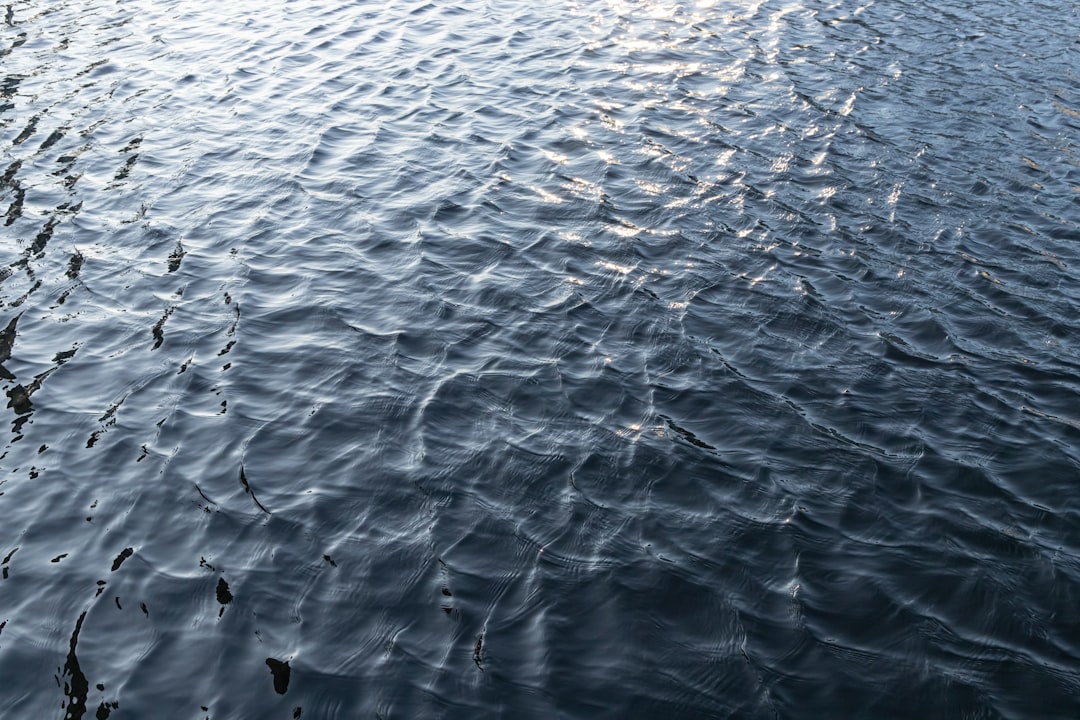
[(572, 359)]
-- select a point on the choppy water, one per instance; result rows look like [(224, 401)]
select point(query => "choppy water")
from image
[(568, 359)]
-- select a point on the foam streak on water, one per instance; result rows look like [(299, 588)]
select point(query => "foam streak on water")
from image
[(579, 359)]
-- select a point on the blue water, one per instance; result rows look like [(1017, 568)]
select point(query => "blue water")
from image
[(575, 359)]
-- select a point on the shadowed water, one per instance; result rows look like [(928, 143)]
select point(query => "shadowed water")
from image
[(581, 359)]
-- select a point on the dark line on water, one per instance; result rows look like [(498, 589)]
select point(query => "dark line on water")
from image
[(249, 491), (687, 435), (477, 655), (199, 489)]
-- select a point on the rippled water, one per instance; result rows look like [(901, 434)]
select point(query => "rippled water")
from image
[(580, 359)]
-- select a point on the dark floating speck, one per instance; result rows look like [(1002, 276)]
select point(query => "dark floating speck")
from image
[(58, 558), (281, 671), (297, 712), (124, 555), (330, 560)]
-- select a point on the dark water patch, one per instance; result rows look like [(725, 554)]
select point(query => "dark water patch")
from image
[(29, 130), (19, 41), (75, 264), (11, 172), (224, 597), (281, 672), (158, 331), (37, 247), (54, 137), (14, 211), (124, 555), (176, 257), (75, 685), (7, 338)]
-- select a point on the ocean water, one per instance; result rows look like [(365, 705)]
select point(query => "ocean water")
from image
[(559, 359)]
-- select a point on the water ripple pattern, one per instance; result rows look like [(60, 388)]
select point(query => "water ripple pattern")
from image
[(560, 359)]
